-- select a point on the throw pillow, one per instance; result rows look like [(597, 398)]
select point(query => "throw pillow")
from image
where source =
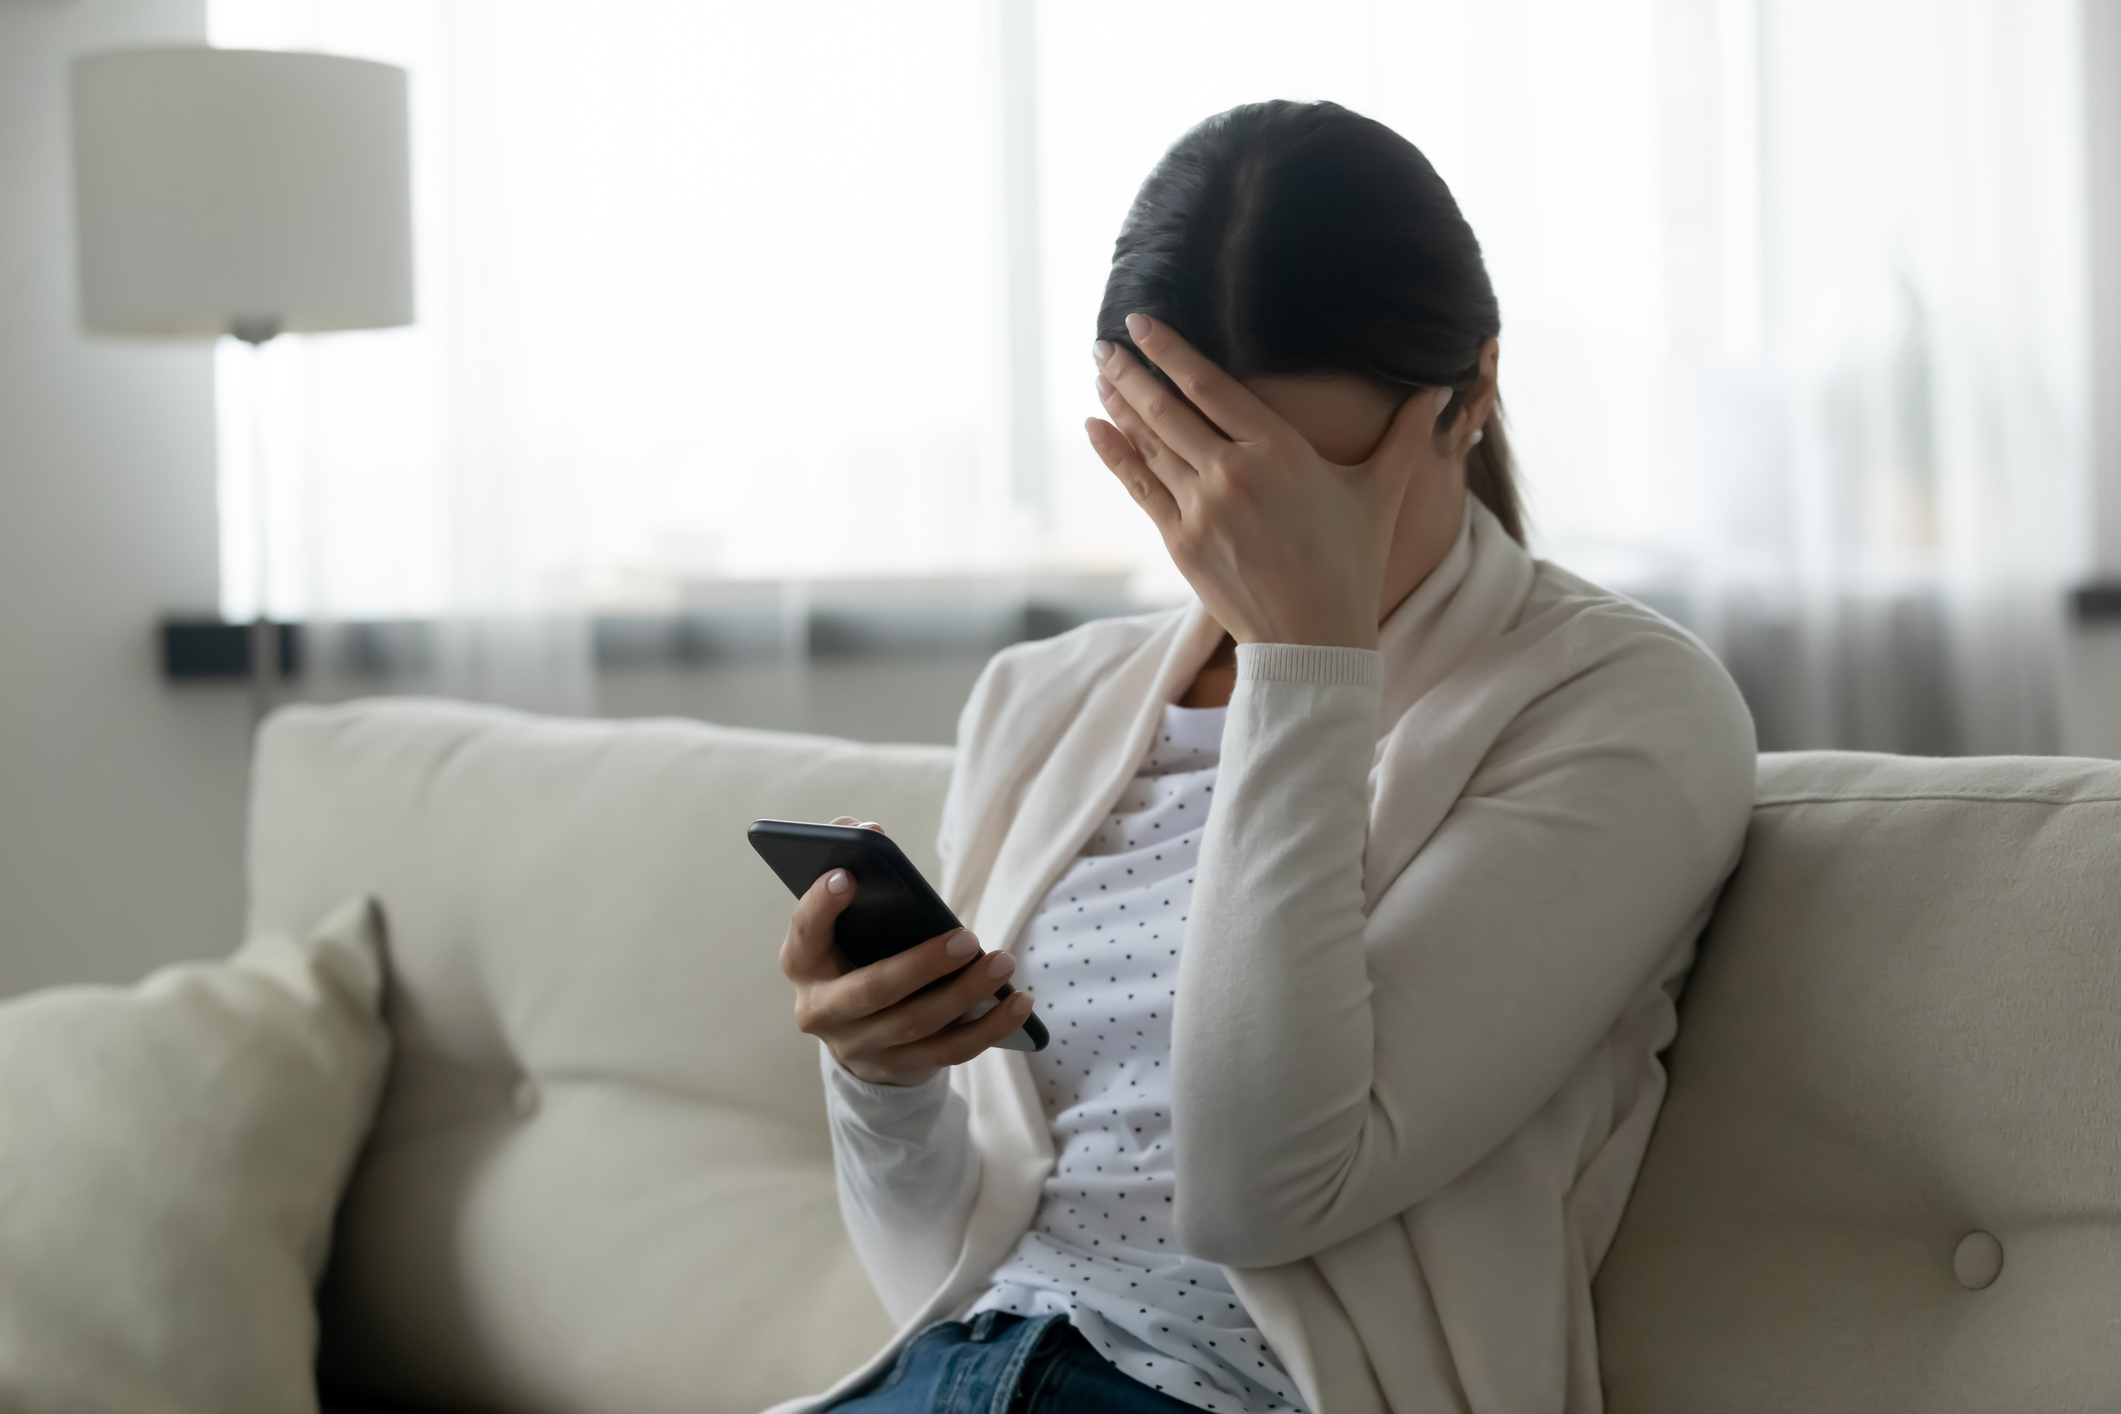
[(170, 1158)]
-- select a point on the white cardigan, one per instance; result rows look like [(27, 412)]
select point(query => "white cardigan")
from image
[(1444, 903)]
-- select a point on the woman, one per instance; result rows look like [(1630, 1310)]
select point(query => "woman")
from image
[(1352, 1073)]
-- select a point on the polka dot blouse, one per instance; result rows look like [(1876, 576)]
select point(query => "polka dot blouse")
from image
[(1102, 955)]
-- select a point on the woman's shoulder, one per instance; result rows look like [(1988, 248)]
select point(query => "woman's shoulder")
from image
[(1585, 673), (1604, 633), (1624, 673)]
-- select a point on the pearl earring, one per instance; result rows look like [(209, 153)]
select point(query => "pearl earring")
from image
[(1478, 433)]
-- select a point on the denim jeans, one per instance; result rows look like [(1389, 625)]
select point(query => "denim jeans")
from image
[(997, 1363)]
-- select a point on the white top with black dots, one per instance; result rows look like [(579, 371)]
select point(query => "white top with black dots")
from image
[(1102, 956)]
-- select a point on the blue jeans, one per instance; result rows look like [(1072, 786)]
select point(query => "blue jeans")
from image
[(997, 1363)]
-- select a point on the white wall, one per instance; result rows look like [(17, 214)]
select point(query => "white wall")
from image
[(120, 798), (2091, 716)]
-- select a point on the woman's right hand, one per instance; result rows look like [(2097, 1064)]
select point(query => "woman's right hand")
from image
[(881, 1022)]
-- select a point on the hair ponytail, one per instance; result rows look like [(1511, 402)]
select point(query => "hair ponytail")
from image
[(1491, 474)]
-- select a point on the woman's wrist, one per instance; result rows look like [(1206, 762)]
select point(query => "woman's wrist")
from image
[(878, 1102), (1309, 663)]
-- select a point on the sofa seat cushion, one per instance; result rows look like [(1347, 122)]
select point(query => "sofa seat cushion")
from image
[(601, 1177), (1888, 1175)]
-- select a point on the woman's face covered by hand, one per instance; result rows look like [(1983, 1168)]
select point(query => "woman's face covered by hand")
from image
[(1301, 510)]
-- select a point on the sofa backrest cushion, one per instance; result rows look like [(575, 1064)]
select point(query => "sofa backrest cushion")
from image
[(600, 1178), (1888, 1174)]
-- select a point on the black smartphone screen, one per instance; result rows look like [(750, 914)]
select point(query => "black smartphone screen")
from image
[(894, 908)]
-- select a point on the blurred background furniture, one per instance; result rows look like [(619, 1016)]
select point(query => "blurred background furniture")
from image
[(1887, 1179)]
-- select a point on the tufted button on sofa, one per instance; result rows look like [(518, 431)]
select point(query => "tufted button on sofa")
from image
[(1888, 1177), (1978, 1260)]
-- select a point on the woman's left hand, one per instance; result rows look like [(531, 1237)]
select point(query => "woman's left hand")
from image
[(1282, 545)]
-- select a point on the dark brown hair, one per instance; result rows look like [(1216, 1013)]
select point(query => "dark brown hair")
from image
[(1306, 239)]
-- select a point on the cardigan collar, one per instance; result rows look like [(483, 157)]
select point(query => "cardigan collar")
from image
[(1471, 597), (1091, 764)]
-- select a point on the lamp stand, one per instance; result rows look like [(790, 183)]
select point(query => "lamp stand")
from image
[(264, 637)]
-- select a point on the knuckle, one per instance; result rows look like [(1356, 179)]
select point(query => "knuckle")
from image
[(864, 993), (808, 1018)]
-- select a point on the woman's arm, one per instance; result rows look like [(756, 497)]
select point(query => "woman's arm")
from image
[(907, 1177), (887, 1035), (1332, 1070)]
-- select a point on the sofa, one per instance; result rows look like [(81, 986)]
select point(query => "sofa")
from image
[(1888, 1176)]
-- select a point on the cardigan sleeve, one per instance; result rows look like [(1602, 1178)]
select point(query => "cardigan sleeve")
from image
[(907, 1170), (1333, 1069), (907, 1179)]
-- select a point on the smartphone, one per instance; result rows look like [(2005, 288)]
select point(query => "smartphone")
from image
[(893, 909)]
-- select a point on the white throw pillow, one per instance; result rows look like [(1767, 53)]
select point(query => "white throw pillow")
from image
[(170, 1158)]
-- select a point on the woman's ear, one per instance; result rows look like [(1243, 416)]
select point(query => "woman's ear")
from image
[(1477, 401)]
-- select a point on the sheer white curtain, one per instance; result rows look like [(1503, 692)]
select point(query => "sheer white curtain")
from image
[(1882, 422), (1791, 290)]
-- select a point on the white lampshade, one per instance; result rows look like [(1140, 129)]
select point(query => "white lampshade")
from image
[(228, 188)]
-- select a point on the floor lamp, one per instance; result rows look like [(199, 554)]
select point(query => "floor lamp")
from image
[(244, 193)]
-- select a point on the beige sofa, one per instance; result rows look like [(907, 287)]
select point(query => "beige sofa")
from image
[(1888, 1178)]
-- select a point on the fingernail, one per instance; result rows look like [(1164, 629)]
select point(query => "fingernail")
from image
[(1000, 965), (1105, 391), (837, 881), (1020, 1004), (962, 943), (1443, 399), (869, 825), (1099, 352), (1138, 326)]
